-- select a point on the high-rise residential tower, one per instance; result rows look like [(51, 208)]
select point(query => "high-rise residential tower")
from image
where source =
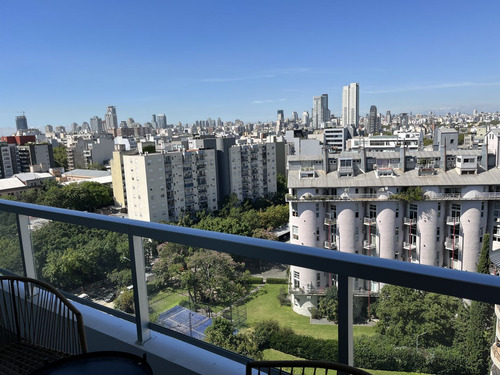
[(305, 119), (320, 111), (350, 105), (21, 123), (372, 121), (96, 124), (162, 121), (111, 118)]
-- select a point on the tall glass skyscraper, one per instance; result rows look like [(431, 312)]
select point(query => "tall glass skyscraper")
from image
[(21, 123)]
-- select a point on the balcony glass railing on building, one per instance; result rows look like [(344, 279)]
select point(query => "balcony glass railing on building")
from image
[(124, 248)]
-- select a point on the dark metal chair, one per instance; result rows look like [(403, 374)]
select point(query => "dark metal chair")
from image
[(38, 325), (302, 368)]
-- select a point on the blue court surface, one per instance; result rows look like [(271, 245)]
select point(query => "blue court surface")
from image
[(185, 321)]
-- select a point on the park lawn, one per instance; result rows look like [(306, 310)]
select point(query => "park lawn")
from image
[(271, 354), (266, 306)]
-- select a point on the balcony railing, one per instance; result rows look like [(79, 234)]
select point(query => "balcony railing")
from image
[(385, 195), (330, 221), (370, 221), (449, 244), (330, 245), (346, 266), (409, 221), (409, 246), (452, 220), (368, 245)]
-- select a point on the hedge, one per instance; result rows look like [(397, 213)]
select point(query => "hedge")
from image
[(274, 280), (255, 280), (270, 335)]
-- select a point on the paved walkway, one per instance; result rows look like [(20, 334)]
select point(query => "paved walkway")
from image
[(276, 272)]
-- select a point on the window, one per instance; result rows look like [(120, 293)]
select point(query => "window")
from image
[(413, 211), (295, 232)]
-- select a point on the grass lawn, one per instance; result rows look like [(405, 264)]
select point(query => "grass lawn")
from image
[(276, 355), (266, 306), (165, 300)]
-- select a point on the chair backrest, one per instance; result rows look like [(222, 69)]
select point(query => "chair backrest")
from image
[(302, 368), (34, 312)]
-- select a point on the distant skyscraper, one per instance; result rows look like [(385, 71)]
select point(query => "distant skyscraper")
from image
[(281, 115), (350, 105), (372, 121), (111, 118), (21, 123), (96, 124), (320, 112), (305, 118), (49, 128), (388, 117), (295, 116), (403, 123), (162, 121)]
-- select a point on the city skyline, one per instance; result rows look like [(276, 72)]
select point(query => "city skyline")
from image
[(62, 64)]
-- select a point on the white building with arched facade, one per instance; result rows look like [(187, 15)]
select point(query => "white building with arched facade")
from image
[(361, 202)]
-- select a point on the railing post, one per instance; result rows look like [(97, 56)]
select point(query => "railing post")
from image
[(140, 289), (345, 319), (23, 229)]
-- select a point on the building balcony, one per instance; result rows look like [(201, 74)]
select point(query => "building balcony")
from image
[(330, 245), (449, 244), (409, 221), (370, 221), (369, 245), (453, 220), (330, 221), (409, 246), (110, 329)]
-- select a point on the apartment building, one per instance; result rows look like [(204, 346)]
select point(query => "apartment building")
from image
[(252, 170), (409, 140), (358, 202), (84, 150), (161, 186), (36, 157)]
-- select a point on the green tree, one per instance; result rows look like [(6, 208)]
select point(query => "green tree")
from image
[(478, 332), (125, 302), (405, 314), (213, 277), (328, 304), (273, 217), (171, 262), (222, 333), (60, 156)]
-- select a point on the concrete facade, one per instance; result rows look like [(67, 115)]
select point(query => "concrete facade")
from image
[(354, 202)]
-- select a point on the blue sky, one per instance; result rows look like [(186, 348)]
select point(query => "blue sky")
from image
[(66, 61)]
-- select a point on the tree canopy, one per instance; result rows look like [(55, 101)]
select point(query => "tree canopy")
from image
[(407, 314)]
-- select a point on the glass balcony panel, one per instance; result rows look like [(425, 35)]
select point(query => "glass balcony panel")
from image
[(90, 263), (10, 249)]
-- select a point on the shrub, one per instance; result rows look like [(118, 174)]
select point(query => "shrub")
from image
[(283, 297)]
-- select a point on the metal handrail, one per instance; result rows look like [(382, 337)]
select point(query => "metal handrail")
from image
[(347, 266)]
